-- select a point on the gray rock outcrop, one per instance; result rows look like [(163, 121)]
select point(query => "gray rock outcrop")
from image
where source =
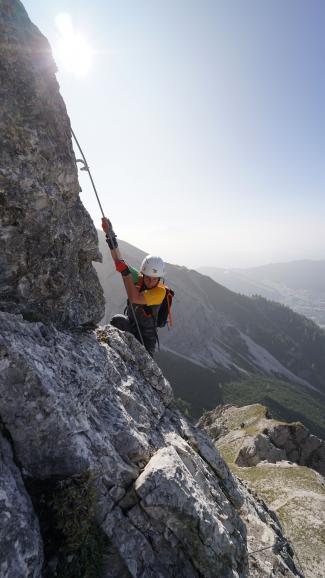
[(299, 445), (257, 449), (75, 403), (21, 551), (47, 239), (291, 442)]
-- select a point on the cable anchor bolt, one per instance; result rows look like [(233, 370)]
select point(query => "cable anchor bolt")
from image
[(85, 167)]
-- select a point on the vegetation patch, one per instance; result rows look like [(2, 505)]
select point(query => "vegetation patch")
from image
[(309, 537), (32, 316), (285, 401), (74, 544), (229, 454), (247, 418)]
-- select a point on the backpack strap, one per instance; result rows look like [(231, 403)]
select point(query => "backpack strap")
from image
[(169, 303)]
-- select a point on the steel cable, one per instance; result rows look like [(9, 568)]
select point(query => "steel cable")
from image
[(86, 168)]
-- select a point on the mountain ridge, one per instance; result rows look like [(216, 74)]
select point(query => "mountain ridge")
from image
[(297, 284)]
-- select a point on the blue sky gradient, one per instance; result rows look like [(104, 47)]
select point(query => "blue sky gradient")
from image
[(203, 123)]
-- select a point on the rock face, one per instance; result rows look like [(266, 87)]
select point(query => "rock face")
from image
[(21, 552), (47, 240), (76, 403)]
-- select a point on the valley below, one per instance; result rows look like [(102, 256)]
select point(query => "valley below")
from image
[(299, 285)]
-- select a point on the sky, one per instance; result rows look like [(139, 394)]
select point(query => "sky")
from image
[(202, 121)]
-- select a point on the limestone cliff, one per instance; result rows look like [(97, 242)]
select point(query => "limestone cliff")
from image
[(95, 408), (47, 239), (101, 475)]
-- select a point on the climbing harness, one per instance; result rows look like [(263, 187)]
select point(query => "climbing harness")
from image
[(85, 167)]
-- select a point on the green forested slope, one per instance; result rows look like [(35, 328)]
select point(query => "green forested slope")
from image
[(284, 400), (202, 389)]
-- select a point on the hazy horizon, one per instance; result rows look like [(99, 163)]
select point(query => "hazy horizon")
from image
[(295, 261), (199, 266), (203, 123)]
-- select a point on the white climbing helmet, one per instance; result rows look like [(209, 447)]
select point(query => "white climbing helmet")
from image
[(153, 266)]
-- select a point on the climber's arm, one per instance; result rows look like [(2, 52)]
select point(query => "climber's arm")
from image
[(129, 275), (133, 293), (116, 254)]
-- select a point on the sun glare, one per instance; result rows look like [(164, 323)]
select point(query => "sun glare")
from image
[(72, 50)]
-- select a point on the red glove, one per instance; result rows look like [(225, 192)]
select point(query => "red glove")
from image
[(122, 267), (106, 226)]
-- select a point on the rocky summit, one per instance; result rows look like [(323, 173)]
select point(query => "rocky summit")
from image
[(100, 474)]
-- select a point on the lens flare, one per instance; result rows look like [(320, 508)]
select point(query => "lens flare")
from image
[(72, 50)]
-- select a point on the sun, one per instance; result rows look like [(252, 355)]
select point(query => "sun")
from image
[(72, 50)]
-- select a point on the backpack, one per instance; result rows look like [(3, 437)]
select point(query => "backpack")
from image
[(164, 316)]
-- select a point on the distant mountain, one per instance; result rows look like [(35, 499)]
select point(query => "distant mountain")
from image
[(298, 284), (230, 334)]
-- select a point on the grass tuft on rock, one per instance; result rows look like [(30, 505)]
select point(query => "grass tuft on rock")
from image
[(74, 544)]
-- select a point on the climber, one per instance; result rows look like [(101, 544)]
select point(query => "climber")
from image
[(145, 293)]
